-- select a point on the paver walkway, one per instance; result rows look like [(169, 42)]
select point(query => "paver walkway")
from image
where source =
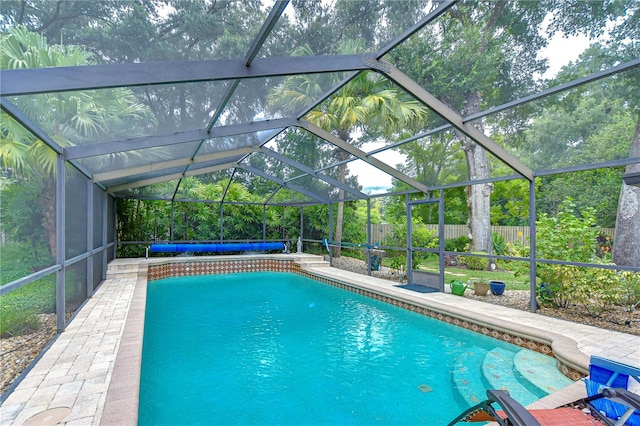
[(76, 371)]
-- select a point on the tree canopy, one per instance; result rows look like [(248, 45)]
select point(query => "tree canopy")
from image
[(474, 57)]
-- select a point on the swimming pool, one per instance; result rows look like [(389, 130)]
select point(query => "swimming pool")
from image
[(278, 348)]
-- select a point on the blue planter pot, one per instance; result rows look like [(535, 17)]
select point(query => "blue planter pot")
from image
[(497, 287)]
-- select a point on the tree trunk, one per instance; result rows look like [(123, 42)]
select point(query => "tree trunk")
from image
[(48, 201), (478, 196), (340, 155), (626, 245)]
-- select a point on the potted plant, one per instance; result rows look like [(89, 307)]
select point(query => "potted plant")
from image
[(497, 287), (481, 288)]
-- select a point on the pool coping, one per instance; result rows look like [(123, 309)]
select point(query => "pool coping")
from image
[(121, 404), (564, 349)]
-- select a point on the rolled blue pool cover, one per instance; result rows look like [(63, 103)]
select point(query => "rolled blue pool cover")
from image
[(214, 247)]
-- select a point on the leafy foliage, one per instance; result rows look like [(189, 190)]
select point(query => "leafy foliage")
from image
[(19, 308), (510, 203), (462, 60), (21, 220), (567, 236), (630, 290), (67, 117), (499, 244), (474, 263), (421, 237), (457, 244), (398, 262), (596, 289), (18, 260), (573, 238), (369, 104), (518, 249), (145, 221)]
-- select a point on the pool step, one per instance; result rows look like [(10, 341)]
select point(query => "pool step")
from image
[(122, 269), (314, 264), (498, 368), (312, 261), (467, 375), (540, 370)]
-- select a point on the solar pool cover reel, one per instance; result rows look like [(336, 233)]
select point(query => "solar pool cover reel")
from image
[(216, 247)]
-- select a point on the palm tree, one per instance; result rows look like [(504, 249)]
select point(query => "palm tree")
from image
[(67, 117), (368, 104)]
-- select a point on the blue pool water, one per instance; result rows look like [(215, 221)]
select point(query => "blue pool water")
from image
[(277, 348)]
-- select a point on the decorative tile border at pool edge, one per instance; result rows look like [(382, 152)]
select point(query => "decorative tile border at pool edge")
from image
[(166, 269), (527, 343), (173, 268)]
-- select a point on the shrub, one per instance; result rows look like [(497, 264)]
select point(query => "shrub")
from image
[(572, 238), (566, 236), (450, 260), (518, 249), (421, 237), (557, 287), (353, 252), (594, 289), (597, 289), (399, 261), (629, 290), (499, 245), (475, 263), (457, 244), (315, 248)]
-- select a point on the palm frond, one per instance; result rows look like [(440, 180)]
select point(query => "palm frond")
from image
[(13, 154)]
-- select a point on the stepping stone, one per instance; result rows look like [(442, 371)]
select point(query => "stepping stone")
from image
[(467, 375), (498, 369), (540, 370)]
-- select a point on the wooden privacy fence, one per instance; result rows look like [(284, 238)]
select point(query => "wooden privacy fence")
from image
[(380, 232)]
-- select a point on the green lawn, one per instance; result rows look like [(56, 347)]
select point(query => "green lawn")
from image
[(462, 274)]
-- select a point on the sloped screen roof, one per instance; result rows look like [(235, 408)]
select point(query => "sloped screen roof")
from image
[(302, 101)]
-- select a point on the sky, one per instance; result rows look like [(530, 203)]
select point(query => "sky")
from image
[(560, 51)]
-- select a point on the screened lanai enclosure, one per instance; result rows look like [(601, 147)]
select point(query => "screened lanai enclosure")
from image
[(369, 129)]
